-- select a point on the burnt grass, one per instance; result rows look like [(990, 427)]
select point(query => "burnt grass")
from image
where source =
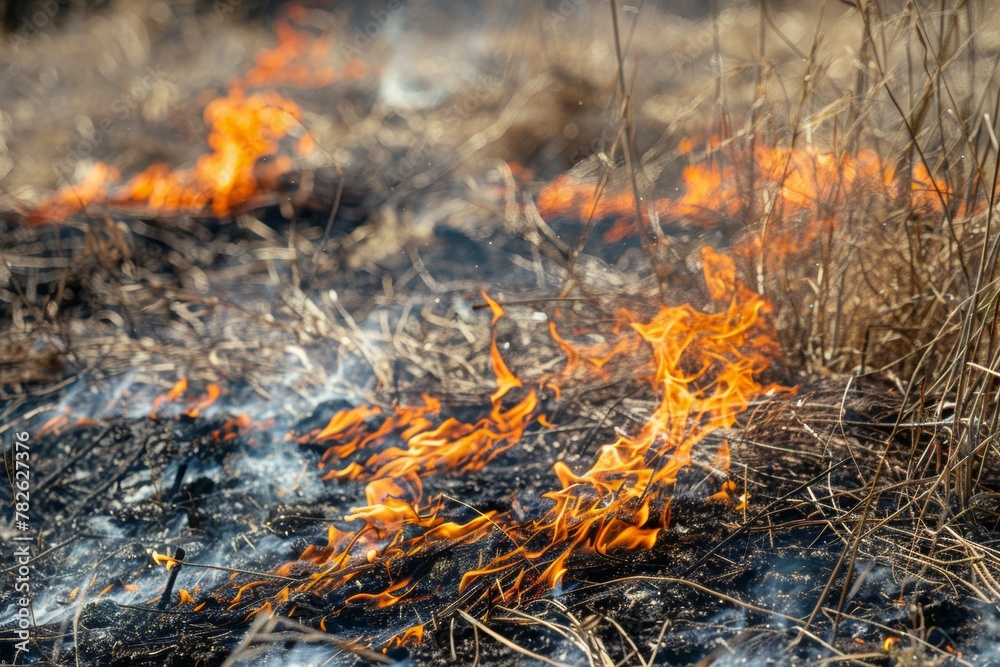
[(852, 550), (776, 561), (720, 586)]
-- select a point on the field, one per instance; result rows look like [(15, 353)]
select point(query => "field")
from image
[(485, 333)]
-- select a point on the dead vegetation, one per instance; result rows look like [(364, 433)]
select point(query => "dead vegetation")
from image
[(883, 469)]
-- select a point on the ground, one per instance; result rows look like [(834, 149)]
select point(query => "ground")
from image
[(812, 529)]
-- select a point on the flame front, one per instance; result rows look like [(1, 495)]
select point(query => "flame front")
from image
[(245, 126), (394, 493), (797, 192), (706, 368), (244, 129)]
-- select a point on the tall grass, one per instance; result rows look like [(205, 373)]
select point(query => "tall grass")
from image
[(904, 289)]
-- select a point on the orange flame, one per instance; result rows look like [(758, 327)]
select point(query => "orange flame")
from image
[(56, 424), (236, 426), (411, 637), (790, 184), (394, 492), (451, 446), (244, 129), (589, 361), (76, 198), (212, 392), (706, 368), (299, 59), (505, 379), (195, 406), (385, 598)]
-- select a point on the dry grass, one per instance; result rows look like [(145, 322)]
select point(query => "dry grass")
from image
[(896, 292), (904, 288)]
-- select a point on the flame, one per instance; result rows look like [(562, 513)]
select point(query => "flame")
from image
[(505, 379), (707, 366), (394, 494), (348, 427), (933, 194), (722, 459), (76, 198), (234, 427), (385, 598), (212, 392), (178, 390), (589, 361), (451, 446), (243, 589), (454, 445), (161, 559), (55, 424), (194, 406), (791, 185), (411, 637), (247, 126), (299, 59), (244, 129)]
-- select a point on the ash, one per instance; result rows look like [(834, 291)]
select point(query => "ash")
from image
[(359, 276)]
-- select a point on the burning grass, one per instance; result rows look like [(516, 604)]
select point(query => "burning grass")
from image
[(755, 411)]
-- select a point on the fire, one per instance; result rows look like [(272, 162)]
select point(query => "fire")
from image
[(505, 379), (162, 559), (299, 58), (451, 446), (212, 392), (76, 198), (243, 130), (349, 428), (790, 185), (411, 637), (707, 369), (56, 424), (241, 424), (590, 360), (706, 366), (385, 598), (245, 127), (194, 406), (394, 493)]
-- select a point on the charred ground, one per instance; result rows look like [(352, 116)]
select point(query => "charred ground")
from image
[(870, 528)]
